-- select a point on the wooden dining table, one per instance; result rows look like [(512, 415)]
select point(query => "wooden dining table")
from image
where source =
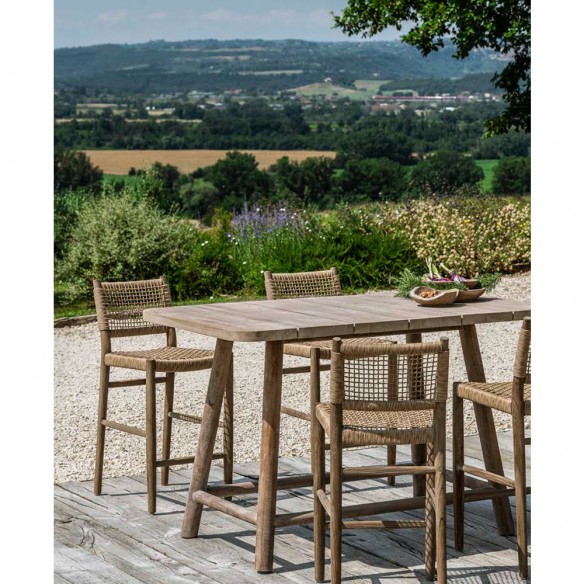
[(275, 322)]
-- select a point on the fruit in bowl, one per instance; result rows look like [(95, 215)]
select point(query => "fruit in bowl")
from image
[(427, 296)]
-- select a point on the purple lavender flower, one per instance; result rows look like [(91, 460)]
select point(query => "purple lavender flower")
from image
[(258, 221)]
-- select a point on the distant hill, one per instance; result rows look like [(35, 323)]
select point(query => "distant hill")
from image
[(264, 66)]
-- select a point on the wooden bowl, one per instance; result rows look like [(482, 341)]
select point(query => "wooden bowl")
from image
[(469, 295), (443, 297), (471, 283)]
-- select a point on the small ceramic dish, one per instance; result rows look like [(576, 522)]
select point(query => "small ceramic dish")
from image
[(442, 298)]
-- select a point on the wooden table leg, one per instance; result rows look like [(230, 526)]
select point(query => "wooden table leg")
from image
[(486, 426), (207, 434), (267, 488), (418, 450)]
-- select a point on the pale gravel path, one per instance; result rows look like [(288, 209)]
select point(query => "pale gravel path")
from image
[(76, 391)]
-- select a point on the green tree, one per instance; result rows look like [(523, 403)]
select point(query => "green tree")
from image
[(503, 145), (375, 179), (375, 138), (309, 181), (166, 193), (238, 179), (74, 170), (445, 172), (199, 198), (503, 26), (512, 176)]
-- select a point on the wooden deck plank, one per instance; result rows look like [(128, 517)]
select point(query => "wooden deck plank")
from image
[(408, 542), (113, 539)]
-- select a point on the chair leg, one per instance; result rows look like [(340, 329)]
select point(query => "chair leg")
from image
[(317, 459), (440, 491), (167, 426), (520, 488), (391, 460), (318, 473), (101, 415), (151, 434), (457, 463), (430, 516), (228, 428), (336, 510)]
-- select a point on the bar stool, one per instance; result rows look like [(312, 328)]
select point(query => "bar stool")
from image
[(513, 398), (381, 395), (119, 307), (309, 285)]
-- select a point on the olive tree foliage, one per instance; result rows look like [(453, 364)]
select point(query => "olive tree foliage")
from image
[(501, 25)]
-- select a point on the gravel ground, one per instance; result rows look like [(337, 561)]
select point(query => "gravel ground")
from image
[(76, 391)]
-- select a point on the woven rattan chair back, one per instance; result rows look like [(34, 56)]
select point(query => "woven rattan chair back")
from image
[(302, 284), (119, 306), (522, 366), (389, 377)]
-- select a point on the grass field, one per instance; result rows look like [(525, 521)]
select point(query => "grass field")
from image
[(488, 167), (366, 88), (120, 161)]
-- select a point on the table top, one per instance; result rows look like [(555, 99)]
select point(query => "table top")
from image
[(326, 317)]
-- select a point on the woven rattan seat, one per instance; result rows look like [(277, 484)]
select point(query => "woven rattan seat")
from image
[(120, 307), (378, 427), (494, 395), (381, 394), (514, 398), (303, 349), (172, 359)]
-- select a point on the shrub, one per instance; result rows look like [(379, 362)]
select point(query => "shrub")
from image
[(66, 209), (210, 268), (469, 236), (279, 240), (124, 237)]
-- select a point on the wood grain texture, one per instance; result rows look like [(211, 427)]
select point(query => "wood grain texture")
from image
[(207, 433), (113, 539), (311, 318), (486, 425), (267, 487)]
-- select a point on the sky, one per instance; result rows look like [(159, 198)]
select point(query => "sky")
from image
[(82, 23)]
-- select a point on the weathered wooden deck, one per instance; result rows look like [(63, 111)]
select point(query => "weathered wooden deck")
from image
[(113, 539)]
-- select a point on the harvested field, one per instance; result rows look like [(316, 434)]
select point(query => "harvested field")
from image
[(120, 161)]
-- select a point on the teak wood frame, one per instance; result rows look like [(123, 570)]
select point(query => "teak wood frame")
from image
[(517, 406), (272, 322), (264, 516), (433, 399), (150, 381)]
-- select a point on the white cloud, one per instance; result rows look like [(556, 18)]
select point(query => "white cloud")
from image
[(113, 16)]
